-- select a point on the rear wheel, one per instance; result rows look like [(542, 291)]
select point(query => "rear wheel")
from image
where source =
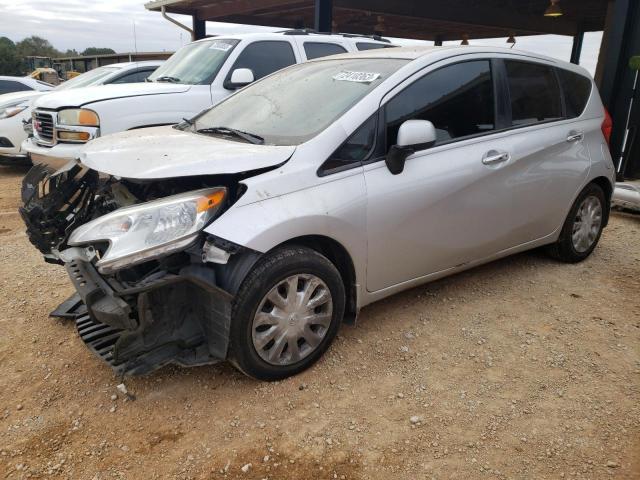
[(582, 227), (286, 313)]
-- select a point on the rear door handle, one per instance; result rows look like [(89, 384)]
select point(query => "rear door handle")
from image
[(575, 136), (493, 156)]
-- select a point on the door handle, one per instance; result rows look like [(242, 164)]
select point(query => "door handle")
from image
[(575, 136), (493, 156)]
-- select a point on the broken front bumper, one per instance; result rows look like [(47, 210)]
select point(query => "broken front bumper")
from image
[(181, 318)]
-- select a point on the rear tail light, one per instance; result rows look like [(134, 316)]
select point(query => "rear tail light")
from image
[(607, 126)]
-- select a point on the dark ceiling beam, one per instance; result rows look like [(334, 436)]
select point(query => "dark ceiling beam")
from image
[(503, 18), (239, 7)]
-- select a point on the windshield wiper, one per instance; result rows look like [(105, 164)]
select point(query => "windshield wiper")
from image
[(167, 78), (249, 137)]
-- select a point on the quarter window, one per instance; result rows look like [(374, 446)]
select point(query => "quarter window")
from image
[(316, 49), (371, 46), (264, 58), (457, 99), (134, 77), (577, 89), (355, 150), (534, 92)]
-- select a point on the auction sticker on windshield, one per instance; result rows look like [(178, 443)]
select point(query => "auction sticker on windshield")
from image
[(219, 45), (359, 77)]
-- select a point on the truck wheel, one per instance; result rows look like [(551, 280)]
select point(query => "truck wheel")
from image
[(286, 314), (582, 227)]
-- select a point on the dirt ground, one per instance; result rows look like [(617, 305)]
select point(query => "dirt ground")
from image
[(521, 369)]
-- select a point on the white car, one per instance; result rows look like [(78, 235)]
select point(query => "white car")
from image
[(195, 77), (250, 232), (22, 84), (15, 107)]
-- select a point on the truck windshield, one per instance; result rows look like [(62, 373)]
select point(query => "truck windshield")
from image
[(294, 105), (92, 77), (196, 63)]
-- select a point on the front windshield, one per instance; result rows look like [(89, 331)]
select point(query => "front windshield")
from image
[(92, 77), (196, 63), (294, 105)]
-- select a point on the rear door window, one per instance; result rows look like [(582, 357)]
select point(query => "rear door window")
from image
[(458, 99), (8, 86), (322, 49), (534, 92), (576, 89), (264, 58)]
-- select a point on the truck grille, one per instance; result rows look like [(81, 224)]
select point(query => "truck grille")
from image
[(43, 126)]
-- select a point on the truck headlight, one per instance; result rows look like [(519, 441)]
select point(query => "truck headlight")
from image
[(148, 230), (78, 117)]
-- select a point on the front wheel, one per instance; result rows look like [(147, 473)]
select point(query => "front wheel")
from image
[(582, 227), (286, 313)]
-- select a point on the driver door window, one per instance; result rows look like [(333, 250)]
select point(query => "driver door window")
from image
[(457, 99), (264, 58)]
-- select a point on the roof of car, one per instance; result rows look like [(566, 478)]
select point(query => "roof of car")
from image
[(416, 52)]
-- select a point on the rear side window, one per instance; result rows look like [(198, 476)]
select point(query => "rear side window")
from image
[(370, 46), (576, 89), (264, 58), (457, 99), (534, 92), (316, 49), (8, 86)]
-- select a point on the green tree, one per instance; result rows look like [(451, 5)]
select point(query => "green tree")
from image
[(36, 46), (71, 53), (97, 51), (9, 59)]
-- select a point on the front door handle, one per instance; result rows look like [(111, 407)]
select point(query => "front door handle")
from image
[(493, 156), (575, 136)]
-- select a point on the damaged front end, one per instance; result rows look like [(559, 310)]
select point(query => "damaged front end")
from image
[(151, 288)]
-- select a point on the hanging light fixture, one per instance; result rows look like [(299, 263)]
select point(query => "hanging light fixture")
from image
[(465, 39), (512, 38), (553, 10)]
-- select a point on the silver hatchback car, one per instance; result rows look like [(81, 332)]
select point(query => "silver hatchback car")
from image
[(250, 232)]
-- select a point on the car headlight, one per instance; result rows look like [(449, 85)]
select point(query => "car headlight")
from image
[(12, 111), (148, 230), (78, 117)]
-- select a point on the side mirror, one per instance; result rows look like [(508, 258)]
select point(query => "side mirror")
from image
[(240, 77), (413, 135)]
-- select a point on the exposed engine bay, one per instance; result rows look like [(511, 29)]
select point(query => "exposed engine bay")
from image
[(170, 308)]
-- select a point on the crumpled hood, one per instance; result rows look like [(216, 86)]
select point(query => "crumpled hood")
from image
[(164, 152), (77, 97)]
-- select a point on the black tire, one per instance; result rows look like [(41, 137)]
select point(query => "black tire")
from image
[(564, 249), (270, 270)]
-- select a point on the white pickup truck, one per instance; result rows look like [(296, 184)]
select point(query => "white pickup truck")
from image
[(198, 75)]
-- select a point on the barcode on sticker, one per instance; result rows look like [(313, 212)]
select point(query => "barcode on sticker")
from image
[(360, 77), (218, 45)]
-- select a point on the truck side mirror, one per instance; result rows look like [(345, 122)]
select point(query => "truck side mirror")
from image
[(240, 77)]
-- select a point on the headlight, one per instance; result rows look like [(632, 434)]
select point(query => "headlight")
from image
[(12, 111), (151, 229), (78, 117)]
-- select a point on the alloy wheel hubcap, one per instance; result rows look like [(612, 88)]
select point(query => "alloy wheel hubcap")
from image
[(586, 225), (292, 319)]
